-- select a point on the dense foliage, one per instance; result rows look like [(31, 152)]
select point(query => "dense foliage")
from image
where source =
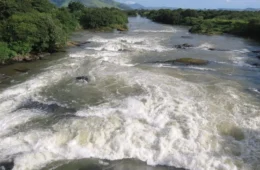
[(93, 18), (93, 3), (243, 23), (34, 26)]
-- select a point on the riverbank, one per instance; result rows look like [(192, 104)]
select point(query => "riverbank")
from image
[(211, 22)]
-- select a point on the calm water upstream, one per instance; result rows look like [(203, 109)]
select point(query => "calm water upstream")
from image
[(135, 114)]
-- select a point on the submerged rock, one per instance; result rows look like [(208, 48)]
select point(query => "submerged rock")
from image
[(183, 46), (188, 61), (186, 37), (258, 57), (22, 69), (82, 78), (184, 61)]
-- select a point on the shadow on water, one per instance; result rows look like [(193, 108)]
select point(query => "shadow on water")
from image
[(47, 107), (52, 114), (94, 164)]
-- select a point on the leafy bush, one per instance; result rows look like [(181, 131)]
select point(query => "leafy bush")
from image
[(39, 31), (68, 20), (5, 52)]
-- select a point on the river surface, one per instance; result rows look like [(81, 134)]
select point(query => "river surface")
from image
[(135, 113)]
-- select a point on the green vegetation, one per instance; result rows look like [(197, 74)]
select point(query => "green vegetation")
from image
[(35, 26), (95, 19), (242, 23), (132, 13), (93, 3)]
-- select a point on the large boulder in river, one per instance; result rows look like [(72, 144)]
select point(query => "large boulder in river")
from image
[(183, 46), (187, 61)]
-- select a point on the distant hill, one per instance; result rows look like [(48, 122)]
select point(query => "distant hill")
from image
[(240, 9), (134, 5), (252, 9), (93, 3)]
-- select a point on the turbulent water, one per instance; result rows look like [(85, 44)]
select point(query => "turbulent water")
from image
[(191, 117)]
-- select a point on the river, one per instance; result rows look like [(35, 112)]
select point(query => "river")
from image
[(135, 113)]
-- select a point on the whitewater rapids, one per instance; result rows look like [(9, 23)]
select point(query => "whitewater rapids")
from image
[(197, 118)]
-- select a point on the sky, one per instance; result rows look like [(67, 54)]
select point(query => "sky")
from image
[(210, 4)]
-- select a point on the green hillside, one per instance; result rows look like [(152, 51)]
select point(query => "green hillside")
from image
[(93, 3)]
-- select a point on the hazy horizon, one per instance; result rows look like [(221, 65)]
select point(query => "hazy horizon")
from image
[(213, 4)]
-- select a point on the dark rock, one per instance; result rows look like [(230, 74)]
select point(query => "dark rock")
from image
[(6, 165), (121, 29), (82, 78), (124, 50), (256, 52), (212, 49), (256, 64), (77, 43), (217, 49), (258, 57), (83, 43), (187, 37), (183, 46), (22, 69)]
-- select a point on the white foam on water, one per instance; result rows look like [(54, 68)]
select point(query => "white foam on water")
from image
[(242, 51), (239, 60), (172, 123), (170, 30), (255, 90), (205, 46), (169, 122), (202, 68), (12, 97), (17, 118), (128, 44)]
